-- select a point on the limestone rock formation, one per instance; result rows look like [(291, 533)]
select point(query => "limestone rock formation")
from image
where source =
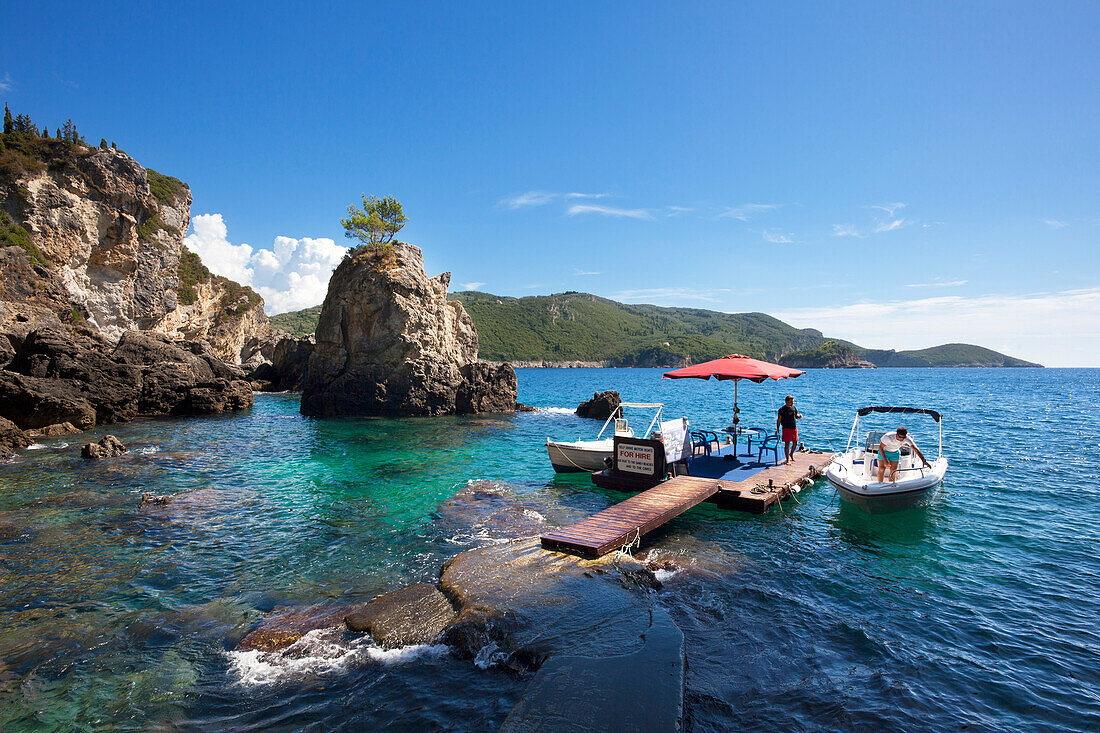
[(108, 447), (277, 363), (102, 248), (390, 343), (600, 406)]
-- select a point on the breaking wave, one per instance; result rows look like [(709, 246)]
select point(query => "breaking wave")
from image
[(322, 652)]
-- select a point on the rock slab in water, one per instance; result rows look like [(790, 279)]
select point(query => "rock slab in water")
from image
[(52, 431), (390, 343), (413, 615), (643, 691), (284, 626), (108, 447), (600, 406)]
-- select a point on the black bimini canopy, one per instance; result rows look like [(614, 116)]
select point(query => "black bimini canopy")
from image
[(913, 410)]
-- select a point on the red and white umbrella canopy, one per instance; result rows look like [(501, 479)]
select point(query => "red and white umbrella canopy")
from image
[(735, 366)]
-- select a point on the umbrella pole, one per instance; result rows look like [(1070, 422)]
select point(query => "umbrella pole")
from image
[(736, 423)]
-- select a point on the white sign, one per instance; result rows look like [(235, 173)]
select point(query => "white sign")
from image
[(635, 459)]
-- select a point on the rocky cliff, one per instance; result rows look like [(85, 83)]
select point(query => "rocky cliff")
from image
[(390, 343), (104, 315), (830, 355), (110, 232)]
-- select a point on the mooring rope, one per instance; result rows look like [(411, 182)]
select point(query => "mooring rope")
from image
[(627, 549)]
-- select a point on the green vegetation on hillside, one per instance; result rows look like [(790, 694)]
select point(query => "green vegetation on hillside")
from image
[(13, 235), (298, 323), (165, 189), (582, 327), (190, 272), (965, 355)]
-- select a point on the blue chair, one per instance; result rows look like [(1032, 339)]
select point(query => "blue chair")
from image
[(703, 439), (762, 434), (770, 443)]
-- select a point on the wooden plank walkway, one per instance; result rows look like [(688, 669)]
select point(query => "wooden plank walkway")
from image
[(763, 490), (629, 520)]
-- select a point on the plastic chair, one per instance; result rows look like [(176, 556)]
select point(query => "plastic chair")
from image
[(699, 441), (770, 443), (762, 434)]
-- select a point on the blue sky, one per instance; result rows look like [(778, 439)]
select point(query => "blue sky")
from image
[(897, 174)]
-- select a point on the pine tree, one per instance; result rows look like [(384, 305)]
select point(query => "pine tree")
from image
[(113, 146), (103, 143), (45, 131), (24, 124), (58, 136), (68, 131), (9, 123)]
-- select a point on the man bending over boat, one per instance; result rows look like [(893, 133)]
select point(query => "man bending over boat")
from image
[(786, 421), (889, 452)]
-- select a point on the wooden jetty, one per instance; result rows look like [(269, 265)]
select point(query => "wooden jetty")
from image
[(627, 521)]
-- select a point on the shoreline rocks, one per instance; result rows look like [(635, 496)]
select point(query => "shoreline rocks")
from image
[(600, 406), (108, 447), (389, 342)]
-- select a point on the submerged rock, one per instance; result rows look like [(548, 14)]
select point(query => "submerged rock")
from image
[(519, 604), (108, 447), (390, 343), (413, 615), (284, 626), (600, 406)]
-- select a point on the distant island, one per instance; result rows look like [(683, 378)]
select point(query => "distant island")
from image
[(578, 327)]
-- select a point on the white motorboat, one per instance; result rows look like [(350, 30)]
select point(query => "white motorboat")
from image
[(589, 455), (855, 472)]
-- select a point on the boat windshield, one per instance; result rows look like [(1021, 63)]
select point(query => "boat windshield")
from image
[(620, 420)]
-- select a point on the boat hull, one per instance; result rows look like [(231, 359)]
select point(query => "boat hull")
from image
[(887, 496), (579, 457)]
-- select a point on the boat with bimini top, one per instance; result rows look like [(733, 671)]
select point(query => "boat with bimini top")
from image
[(855, 472), (589, 455)]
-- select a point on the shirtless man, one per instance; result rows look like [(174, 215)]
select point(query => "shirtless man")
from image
[(787, 427), (889, 452)]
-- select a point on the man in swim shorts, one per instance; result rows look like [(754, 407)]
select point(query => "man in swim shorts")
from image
[(787, 427), (889, 452)]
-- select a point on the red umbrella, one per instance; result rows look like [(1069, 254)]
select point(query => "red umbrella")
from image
[(735, 367)]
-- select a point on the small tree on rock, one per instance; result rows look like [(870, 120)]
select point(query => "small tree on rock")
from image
[(103, 143), (377, 223), (9, 121)]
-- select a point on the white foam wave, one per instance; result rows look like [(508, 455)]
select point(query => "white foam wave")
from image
[(36, 446), (532, 514), (663, 575), (322, 652), (148, 450), (558, 410), (488, 656)]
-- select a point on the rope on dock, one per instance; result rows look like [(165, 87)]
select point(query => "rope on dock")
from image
[(628, 548)]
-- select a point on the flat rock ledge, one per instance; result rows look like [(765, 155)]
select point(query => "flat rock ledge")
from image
[(413, 615)]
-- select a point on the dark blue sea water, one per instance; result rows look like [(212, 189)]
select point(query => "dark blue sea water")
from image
[(980, 611)]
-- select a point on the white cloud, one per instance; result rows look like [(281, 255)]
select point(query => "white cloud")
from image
[(472, 286), (531, 198), (938, 284), (846, 230), (744, 211), (6, 84), (1055, 223), (576, 209), (209, 239), (677, 210), (292, 275), (778, 237), (541, 198), (891, 225), (660, 296), (580, 272), (1055, 329), (888, 208)]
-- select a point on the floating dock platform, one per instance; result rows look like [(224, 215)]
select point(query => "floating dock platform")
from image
[(761, 488)]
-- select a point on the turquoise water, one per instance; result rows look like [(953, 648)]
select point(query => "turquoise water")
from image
[(980, 610)]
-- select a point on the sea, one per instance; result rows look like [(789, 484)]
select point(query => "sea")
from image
[(977, 611)]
